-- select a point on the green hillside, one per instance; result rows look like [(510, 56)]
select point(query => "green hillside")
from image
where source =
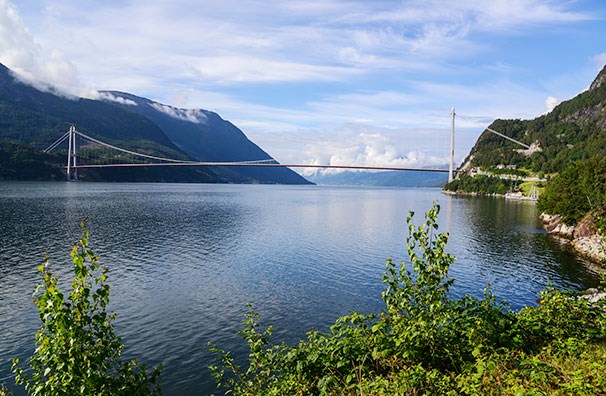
[(568, 147), (574, 130), (25, 162), (37, 116), (31, 119), (29, 115), (205, 136)]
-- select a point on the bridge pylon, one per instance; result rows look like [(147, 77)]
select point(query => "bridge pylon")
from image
[(452, 136), (72, 170)]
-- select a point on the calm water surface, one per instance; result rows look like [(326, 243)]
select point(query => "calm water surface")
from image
[(185, 259)]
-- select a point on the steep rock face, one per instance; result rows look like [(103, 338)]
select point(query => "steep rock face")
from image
[(207, 137), (599, 80), (595, 112)]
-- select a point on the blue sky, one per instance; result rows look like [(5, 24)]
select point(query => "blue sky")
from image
[(326, 82)]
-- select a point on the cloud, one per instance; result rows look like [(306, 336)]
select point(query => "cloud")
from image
[(495, 15), (353, 145), (17, 48), (49, 71), (113, 98), (251, 69), (551, 103), (191, 115)]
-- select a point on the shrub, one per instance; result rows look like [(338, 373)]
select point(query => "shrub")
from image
[(77, 351), (424, 342)]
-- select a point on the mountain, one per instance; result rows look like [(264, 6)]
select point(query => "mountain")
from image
[(205, 136), (33, 116), (25, 162), (30, 115), (383, 179), (573, 130), (567, 147)]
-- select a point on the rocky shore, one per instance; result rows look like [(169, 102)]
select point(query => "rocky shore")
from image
[(583, 237)]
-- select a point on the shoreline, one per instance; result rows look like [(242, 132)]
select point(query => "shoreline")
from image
[(583, 238), (508, 196)]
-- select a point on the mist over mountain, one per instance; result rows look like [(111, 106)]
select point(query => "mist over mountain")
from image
[(205, 136), (31, 116)]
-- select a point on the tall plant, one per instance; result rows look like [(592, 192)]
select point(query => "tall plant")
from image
[(77, 351)]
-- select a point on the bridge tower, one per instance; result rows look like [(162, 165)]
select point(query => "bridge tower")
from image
[(451, 167), (72, 170)]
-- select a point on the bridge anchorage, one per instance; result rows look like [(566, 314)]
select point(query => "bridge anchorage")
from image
[(84, 152)]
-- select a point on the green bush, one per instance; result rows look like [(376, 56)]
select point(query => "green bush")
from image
[(4, 391), (424, 342), (580, 188), (77, 351)]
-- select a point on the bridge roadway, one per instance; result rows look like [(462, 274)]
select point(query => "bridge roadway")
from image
[(393, 168)]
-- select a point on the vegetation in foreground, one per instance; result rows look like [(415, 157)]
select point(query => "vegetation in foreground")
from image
[(77, 351), (424, 342)]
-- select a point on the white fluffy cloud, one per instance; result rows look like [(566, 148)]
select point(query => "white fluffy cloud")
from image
[(362, 145), (551, 103), (113, 98), (292, 73), (20, 52)]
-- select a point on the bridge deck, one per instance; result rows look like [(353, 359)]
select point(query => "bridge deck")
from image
[(394, 168)]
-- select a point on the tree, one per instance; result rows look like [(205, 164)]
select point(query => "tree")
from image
[(77, 351), (580, 188)]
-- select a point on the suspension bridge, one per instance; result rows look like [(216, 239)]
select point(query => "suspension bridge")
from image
[(84, 152)]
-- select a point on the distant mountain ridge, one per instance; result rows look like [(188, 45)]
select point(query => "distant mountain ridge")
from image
[(574, 130), (32, 116), (205, 136), (383, 179)]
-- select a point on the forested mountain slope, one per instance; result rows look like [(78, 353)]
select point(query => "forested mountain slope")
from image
[(574, 130), (33, 117), (568, 148), (206, 136)]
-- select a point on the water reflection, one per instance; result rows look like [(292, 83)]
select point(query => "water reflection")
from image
[(185, 259)]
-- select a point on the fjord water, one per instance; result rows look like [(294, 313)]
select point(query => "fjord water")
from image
[(185, 259)]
